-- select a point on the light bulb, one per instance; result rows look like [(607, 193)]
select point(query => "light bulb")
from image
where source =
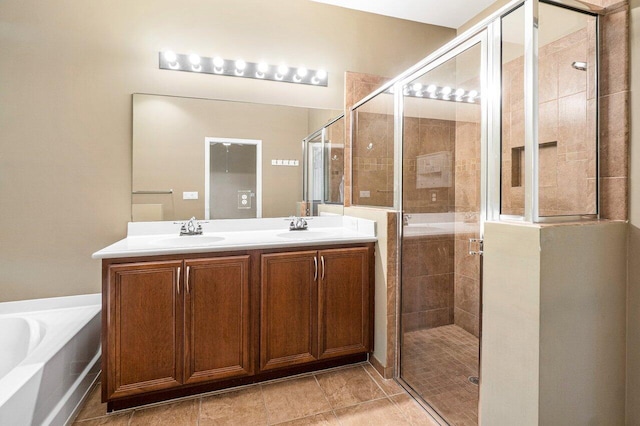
[(417, 87), (218, 62), (302, 72), (240, 65), (194, 59), (263, 67), (473, 93), (459, 92), (431, 88), (283, 69), (170, 56), (446, 90), (321, 74)]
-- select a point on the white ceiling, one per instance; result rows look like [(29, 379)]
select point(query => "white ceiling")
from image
[(446, 13)]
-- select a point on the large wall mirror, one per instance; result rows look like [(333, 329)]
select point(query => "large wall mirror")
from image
[(216, 159)]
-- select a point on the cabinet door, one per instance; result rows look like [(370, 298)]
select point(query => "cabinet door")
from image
[(217, 319), (144, 327), (288, 326), (343, 294)]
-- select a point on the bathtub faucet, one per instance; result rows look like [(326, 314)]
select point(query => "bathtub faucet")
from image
[(192, 227)]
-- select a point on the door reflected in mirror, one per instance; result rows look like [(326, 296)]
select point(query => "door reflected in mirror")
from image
[(179, 171)]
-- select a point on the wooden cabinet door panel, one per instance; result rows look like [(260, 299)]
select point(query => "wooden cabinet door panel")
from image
[(145, 327), (288, 326), (217, 319), (343, 294)]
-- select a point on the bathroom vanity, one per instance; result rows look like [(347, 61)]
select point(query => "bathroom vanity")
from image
[(246, 301)]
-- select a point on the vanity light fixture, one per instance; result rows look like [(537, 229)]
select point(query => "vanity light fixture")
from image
[(169, 60), (444, 93), (195, 62)]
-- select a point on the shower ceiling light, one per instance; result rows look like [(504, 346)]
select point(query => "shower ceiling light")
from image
[(169, 60)]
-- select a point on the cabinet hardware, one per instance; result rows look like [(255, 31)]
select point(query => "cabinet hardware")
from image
[(187, 278), (322, 262), (315, 265), (178, 281)]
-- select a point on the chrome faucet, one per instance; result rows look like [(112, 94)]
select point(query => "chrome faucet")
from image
[(405, 219), (297, 224), (192, 227)]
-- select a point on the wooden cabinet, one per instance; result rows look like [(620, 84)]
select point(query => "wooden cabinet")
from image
[(314, 305), (171, 323), (288, 307), (343, 302), (217, 319), (145, 328), (179, 325)]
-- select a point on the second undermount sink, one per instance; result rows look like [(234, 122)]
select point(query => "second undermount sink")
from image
[(304, 235), (187, 241)]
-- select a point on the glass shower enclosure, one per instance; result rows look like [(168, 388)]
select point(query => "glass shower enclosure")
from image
[(323, 166), (500, 124)]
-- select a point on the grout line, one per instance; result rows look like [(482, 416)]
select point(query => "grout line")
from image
[(264, 403), (332, 409), (374, 380), (199, 411)]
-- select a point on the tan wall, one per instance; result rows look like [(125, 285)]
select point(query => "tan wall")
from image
[(553, 324), (168, 149), (68, 70), (633, 290)]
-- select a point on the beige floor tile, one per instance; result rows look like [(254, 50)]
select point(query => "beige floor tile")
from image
[(183, 413), (412, 411), (111, 420), (375, 413), (389, 386), (243, 407), (349, 386), (294, 399), (93, 407), (323, 419)]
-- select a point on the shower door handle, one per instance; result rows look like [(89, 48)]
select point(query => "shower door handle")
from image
[(476, 246)]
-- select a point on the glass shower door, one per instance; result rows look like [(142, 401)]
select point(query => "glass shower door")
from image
[(442, 139)]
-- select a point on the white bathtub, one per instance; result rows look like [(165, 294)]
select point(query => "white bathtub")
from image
[(49, 357)]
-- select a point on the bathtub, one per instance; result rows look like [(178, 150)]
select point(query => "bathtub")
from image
[(49, 358)]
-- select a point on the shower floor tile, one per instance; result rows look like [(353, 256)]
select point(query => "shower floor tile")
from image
[(437, 364)]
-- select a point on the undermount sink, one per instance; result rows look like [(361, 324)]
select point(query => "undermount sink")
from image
[(304, 235), (187, 241)]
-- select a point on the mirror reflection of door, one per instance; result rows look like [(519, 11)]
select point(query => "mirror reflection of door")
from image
[(232, 178)]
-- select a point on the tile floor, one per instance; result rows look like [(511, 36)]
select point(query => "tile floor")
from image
[(437, 363), (351, 395)]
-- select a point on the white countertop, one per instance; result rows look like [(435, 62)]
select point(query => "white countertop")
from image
[(159, 238)]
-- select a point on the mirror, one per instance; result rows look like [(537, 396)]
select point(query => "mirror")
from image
[(216, 159), (323, 171)]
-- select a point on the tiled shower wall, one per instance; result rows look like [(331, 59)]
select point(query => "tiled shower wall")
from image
[(335, 135), (566, 132), (373, 153)]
